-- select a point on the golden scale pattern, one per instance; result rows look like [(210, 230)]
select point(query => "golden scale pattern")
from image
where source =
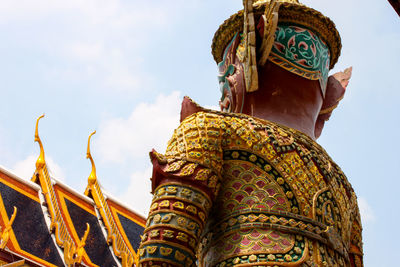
[(195, 153)]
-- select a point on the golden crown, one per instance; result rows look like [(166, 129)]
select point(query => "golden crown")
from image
[(287, 1), (289, 11)]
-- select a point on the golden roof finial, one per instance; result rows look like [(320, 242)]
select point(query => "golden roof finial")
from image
[(40, 162), (92, 177)]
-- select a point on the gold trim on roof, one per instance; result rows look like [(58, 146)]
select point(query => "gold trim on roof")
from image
[(114, 237), (5, 233), (292, 12), (57, 224), (13, 244), (76, 254), (118, 209), (63, 195), (16, 263)]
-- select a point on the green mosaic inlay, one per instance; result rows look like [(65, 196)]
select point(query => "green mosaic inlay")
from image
[(302, 52)]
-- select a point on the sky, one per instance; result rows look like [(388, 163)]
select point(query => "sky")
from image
[(122, 67)]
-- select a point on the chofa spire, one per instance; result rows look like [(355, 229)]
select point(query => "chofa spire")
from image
[(92, 177), (120, 246), (73, 248), (40, 162)]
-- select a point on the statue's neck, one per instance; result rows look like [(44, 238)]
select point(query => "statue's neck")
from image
[(285, 98)]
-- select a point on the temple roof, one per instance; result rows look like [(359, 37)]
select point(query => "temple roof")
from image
[(396, 5), (46, 223)]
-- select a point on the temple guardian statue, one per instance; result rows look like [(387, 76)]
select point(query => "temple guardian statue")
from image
[(249, 186)]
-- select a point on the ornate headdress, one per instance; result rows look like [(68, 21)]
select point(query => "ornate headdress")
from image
[(284, 12)]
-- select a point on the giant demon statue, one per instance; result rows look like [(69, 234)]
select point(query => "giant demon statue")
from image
[(249, 186)]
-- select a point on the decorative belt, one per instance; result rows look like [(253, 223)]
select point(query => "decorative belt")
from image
[(281, 221)]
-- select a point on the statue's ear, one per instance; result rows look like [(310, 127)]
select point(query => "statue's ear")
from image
[(335, 90), (343, 77)]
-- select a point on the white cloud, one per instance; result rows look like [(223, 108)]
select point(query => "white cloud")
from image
[(96, 41), (366, 212), (150, 125), (85, 51), (26, 10), (25, 168), (137, 193), (97, 11), (127, 140)]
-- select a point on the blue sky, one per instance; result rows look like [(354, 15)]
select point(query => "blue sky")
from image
[(122, 68)]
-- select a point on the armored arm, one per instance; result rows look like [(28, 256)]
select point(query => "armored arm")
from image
[(185, 182), (356, 250)]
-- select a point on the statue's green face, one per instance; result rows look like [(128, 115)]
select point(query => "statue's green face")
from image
[(226, 69), (231, 79)]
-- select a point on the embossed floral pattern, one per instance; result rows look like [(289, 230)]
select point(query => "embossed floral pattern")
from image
[(302, 52)]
